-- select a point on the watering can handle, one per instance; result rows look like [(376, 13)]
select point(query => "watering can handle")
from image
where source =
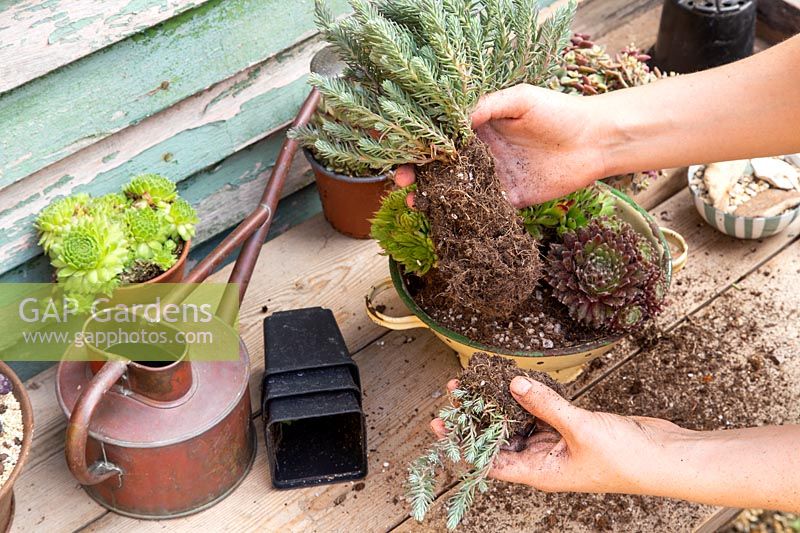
[(677, 240), (78, 426), (391, 322)]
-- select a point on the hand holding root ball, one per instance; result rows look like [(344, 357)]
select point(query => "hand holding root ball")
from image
[(572, 449), (540, 140)]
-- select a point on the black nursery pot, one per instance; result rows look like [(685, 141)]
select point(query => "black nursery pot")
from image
[(699, 34), (314, 423)]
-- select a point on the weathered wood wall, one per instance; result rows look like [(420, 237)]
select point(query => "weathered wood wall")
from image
[(93, 93)]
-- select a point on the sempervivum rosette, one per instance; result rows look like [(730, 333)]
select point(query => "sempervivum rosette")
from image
[(90, 256), (607, 276)]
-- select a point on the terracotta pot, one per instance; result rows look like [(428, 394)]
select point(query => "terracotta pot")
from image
[(7, 491), (349, 203), (563, 364)]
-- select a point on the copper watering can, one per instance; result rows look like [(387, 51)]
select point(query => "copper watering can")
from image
[(166, 441)]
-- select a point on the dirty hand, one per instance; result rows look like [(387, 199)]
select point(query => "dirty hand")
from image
[(574, 449), (541, 140)]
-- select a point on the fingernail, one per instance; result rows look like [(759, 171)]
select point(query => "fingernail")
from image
[(520, 385)]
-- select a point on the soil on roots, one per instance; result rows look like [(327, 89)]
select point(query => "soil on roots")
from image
[(488, 261), (489, 377)]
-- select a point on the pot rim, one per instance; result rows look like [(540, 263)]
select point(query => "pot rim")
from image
[(21, 394), (320, 168), (405, 296)]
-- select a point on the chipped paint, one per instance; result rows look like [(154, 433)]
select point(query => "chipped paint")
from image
[(49, 115), (66, 29)]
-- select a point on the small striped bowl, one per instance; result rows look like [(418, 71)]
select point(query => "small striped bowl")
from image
[(740, 227)]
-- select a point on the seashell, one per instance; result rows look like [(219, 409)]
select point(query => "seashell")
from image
[(720, 178), (793, 159), (776, 172), (769, 203)]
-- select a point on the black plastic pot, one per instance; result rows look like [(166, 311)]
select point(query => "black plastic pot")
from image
[(315, 439), (305, 339), (699, 34), (314, 424)]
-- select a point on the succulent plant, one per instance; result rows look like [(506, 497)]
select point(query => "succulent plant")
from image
[(97, 243), (588, 69), (573, 211), (147, 230), (151, 189), (58, 217), (110, 205), (607, 275), (90, 256), (164, 257), (403, 233), (182, 219)]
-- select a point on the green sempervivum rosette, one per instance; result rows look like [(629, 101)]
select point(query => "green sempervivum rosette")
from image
[(57, 218), (109, 206), (90, 256), (403, 233), (147, 230), (182, 219), (606, 276), (556, 217), (151, 189)]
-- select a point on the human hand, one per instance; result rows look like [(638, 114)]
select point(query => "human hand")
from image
[(577, 450), (543, 142), (540, 140)]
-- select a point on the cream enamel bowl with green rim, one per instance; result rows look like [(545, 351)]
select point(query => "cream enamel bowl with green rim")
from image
[(563, 364), (738, 226)]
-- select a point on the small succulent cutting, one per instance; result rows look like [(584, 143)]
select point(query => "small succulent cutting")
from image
[(573, 211), (609, 276), (404, 233), (483, 419), (588, 69), (95, 243)]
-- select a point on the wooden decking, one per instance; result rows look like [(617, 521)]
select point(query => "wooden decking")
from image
[(403, 374)]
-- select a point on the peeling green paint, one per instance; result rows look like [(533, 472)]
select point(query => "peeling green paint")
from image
[(241, 168), (56, 17), (108, 90), (63, 180), (110, 157), (65, 30), (192, 151)]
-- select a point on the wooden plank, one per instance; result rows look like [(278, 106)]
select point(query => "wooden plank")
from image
[(54, 116), (778, 19), (335, 271), (178, 142), (599, 17), (716, 262), (39, 36), (310, 265), (763, 330)]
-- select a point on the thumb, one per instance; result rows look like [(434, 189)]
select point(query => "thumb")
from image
[(547, 405), (508, 103)]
